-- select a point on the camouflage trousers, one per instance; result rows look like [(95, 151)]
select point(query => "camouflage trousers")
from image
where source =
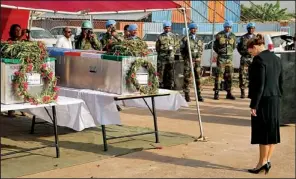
[(166, 73), (245, 62), (224, 71), (187, 75)]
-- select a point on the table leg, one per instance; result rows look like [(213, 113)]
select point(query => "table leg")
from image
[(104, 138), (55, 127), (155, 120), (33, 124)]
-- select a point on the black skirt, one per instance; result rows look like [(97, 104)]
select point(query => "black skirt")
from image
[(266, 126)]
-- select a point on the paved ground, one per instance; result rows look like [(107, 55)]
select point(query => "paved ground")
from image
[(228, 152)]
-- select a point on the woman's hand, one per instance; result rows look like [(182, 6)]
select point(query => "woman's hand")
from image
[(253, 112)]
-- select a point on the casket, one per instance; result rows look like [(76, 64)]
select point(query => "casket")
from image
[(8, 68), (87, 70)]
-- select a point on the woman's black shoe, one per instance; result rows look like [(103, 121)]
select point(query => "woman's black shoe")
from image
[(265, 168)]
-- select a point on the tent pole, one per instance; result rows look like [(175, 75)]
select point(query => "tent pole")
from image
[(201, 137), (213, 37), (31, 20)]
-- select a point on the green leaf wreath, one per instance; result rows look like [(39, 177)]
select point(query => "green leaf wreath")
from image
[(136, 48), (32, 56), (132, 82)]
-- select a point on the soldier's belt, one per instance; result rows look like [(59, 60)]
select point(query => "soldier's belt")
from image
[(224, 56)]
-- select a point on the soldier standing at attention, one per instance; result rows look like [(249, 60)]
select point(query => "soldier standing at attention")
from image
[(196, 48), (246, 58), (224, 46), (166, 48), (107, 38), (87, 40)]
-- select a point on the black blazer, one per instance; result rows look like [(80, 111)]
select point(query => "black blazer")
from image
[(266, 77)]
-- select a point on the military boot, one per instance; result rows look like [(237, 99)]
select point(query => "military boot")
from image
[(243, 95), (187, 97), (200, 98), (216, 95), (229, 95)]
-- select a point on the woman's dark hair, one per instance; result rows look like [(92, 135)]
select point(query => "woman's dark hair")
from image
[(12, 29), (258, 40)]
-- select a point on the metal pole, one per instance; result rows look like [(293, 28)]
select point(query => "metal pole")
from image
[(201, 137), (31, 20), (212, 51), (91, 19)]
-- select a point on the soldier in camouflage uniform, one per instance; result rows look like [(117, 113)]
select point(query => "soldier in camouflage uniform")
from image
[(126, 32), (87, 40), (224, 46), (107, 38), (166, 45), (246, 58), (196, 48)]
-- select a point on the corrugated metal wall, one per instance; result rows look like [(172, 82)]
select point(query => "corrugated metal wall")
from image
[(152, 27), (160, 16), (220, 11), (261, 27), (232, 10), (177, 28), (199, 12), (177, 16)]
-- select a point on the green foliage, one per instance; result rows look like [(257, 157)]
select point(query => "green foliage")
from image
[(265, 12), (136, 48)]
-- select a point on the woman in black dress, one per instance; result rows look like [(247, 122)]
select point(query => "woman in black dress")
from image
[(265, 91)]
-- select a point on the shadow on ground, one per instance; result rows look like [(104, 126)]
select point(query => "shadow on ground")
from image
[(75, 147)]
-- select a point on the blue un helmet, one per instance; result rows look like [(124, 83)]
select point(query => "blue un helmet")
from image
[(251, 25), (110, 22), (167, 24), (228, 23), (192, 26), (132, 27)]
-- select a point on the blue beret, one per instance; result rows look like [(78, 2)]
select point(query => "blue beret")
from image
[(228, 24), (132, 27), (110, 22), (251, 24), (167, 24), (192, 26)]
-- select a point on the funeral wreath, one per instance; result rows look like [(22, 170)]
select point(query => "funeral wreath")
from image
[(32, 56), (131, 78)]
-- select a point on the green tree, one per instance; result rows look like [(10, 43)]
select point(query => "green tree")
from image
[(265, 12)]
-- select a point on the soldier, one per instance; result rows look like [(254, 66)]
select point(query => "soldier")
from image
[(196, 48), (126, 32), (107, 38), (246, 58), (132, 28), (166, 44), (87, 40), (224, 46)]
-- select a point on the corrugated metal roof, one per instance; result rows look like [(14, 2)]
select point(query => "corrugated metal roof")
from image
[(125, 16)]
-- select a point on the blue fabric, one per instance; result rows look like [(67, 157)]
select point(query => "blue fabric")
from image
[(167, 24), (110, 22), (251, 24), (228, 24), (132, 27), (192, 26)]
